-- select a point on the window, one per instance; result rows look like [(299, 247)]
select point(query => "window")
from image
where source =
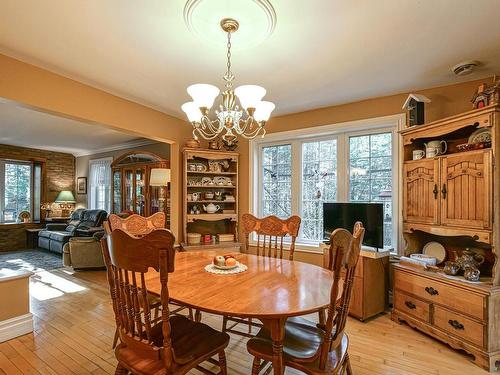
[(319, 185), (20, 190), (355, 163), (277, 181), (370, 174), (100, 184)]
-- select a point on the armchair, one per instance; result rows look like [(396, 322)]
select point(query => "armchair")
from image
[(84, 252)]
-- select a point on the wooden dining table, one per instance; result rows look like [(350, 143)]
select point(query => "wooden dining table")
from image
[(270, 290)]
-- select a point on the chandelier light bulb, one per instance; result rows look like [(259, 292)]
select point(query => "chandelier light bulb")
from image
[(250, 95), (192, 111), (263, 111), (203, 94)]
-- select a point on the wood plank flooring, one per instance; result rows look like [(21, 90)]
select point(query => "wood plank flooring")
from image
[(74, 327)]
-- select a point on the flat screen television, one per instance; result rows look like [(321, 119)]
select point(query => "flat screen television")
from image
[(344, 215)]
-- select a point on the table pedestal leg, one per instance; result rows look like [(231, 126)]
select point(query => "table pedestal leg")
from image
[(277, 329)]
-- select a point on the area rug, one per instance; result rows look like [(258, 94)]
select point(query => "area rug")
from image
[(30, 260)]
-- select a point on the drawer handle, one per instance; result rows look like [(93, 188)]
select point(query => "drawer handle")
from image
[(410, 305), (455, 324), (431, 291)]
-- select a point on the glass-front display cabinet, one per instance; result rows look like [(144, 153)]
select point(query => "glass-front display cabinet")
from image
[(131, 189)]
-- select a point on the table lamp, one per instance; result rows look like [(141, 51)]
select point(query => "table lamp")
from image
[(66, 200), (160, 177)]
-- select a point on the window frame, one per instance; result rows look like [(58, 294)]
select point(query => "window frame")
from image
[(32, 208), (341, 132), (90, 187)]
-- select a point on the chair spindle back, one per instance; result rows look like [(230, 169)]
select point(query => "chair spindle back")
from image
[(272, 230), (344, 255), (128, 259)]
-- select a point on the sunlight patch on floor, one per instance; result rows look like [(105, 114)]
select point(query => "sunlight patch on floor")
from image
[(45, 285)]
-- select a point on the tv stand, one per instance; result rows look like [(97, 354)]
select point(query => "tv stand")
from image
[(371, 283)]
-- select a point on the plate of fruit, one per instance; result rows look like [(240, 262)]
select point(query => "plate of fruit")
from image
[(225, 262)]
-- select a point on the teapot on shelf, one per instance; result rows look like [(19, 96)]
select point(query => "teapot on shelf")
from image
[(211, 208), (435, 148)]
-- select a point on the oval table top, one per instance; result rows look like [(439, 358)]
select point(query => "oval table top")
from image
[(268, 288)]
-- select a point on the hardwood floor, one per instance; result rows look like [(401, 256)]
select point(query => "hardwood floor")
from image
[(74, 327)]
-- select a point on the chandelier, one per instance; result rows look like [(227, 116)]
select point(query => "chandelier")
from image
[(231, 120)]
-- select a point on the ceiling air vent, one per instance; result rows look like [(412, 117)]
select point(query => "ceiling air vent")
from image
[(464, 68)]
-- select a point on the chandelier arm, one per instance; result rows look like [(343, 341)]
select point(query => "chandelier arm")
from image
[(249, 121), (204, 134), (255, 133), (209, 124)]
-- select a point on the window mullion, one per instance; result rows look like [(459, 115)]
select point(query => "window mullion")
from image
[(342, 168), (296, 177)]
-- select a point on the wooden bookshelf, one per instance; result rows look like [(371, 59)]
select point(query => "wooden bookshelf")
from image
[(219, 175)]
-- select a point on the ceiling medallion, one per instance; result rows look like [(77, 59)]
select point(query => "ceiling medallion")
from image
[(230, 120), (258, 18)]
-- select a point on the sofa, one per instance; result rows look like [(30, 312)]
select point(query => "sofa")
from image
[(83, 223)]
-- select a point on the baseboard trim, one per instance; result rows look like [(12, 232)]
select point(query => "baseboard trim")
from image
[(15, 327)]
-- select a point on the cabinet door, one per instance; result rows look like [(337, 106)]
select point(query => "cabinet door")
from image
[(420, 191), (466, 189)]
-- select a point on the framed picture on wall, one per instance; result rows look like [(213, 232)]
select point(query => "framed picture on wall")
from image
[(81, 185)]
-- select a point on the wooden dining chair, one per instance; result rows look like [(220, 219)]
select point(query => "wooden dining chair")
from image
[(137, 226), (174, 345), (270, 232), (306, 347), (329, 265)]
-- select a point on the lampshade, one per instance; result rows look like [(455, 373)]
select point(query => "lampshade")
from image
[(192, 111), (159, 177), (263, 111), (65, 196), (203, 94), (250, 95)]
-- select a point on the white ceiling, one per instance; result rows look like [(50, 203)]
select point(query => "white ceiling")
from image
[(21, 126), (322, 52)]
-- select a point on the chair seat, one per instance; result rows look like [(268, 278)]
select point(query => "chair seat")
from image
[(300, 346), (302, 339), (190, 341)]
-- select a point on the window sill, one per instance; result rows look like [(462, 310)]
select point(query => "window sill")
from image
[(299, 247), (18, 225)]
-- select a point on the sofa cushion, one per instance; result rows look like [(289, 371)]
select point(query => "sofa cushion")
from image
[(92, 218), (72, 225), (77, 214), (44, 234), (60, 236)]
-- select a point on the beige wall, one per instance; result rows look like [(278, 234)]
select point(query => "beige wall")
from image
[(82, 162), (14, 304), (39, 89)]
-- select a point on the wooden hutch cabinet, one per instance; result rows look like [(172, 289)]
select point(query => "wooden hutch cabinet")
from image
[(130, 189), (453, 199), (210, 206)]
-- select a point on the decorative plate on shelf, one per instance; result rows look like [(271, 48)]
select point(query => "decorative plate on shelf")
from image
[(435, 250), (480, 135)]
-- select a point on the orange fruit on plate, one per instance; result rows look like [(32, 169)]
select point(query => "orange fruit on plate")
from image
[(230, 262)]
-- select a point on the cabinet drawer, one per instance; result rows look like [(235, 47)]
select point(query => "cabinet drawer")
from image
[(430, 290), (459, 325), (412, 306)]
